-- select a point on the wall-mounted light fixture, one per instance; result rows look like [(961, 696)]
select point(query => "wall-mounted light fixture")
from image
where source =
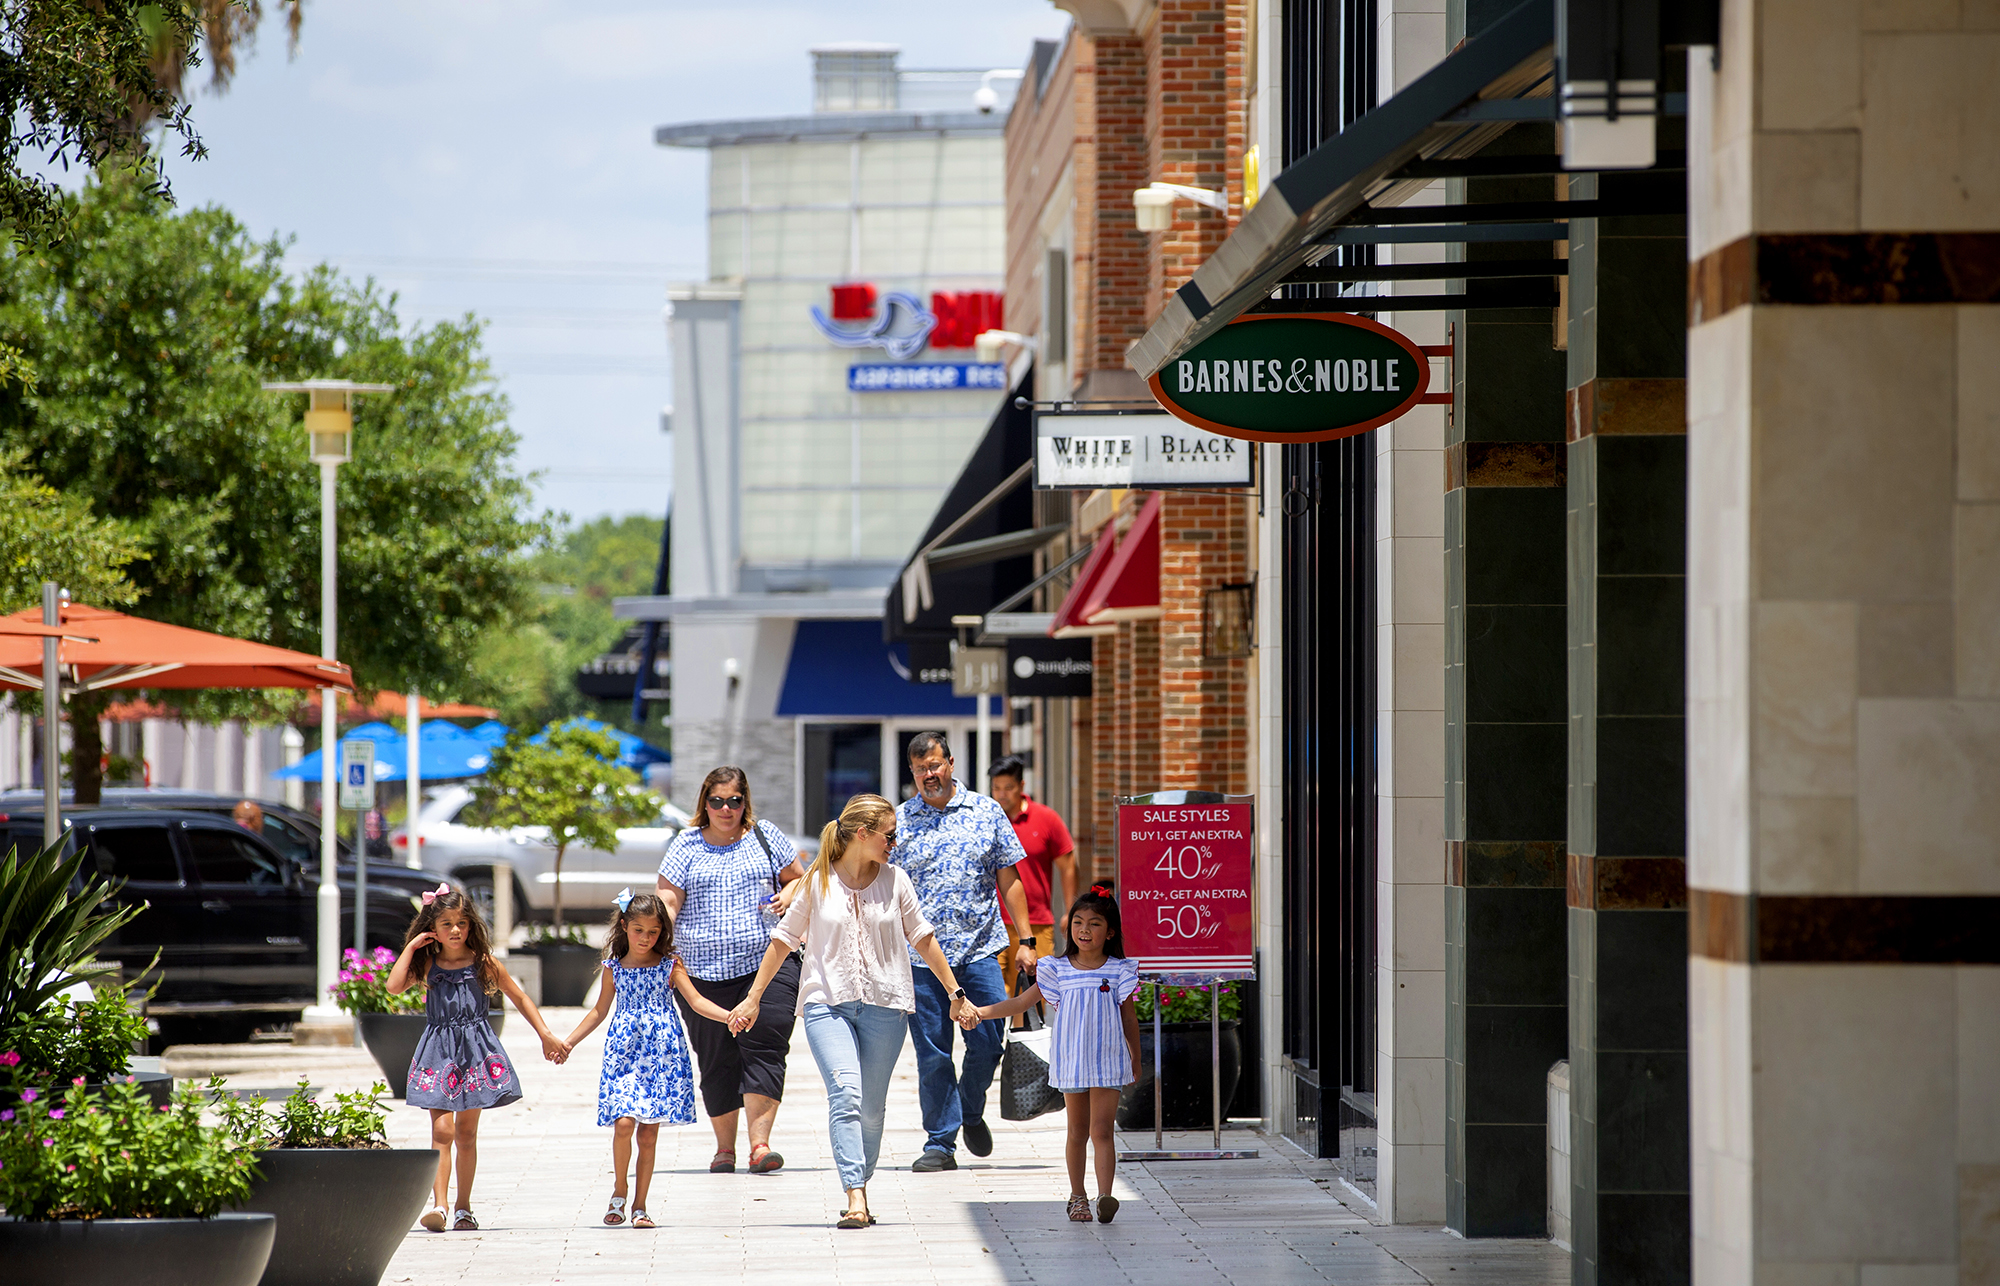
[(1154, 203), (987, 344), (1227, 616)]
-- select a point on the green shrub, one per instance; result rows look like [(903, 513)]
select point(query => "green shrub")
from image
[(53, 916), (355, 1120), (113, 1155), (65, 1039), (1187, 1004), (363, 987)]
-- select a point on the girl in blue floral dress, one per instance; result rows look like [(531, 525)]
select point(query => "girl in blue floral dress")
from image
[(647, 1080)]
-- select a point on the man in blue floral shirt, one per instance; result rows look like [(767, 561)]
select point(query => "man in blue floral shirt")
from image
[(958, 847)]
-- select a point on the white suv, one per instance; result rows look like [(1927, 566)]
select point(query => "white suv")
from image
[(590, 878)]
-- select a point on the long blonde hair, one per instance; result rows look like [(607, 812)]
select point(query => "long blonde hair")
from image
[(862, 813)]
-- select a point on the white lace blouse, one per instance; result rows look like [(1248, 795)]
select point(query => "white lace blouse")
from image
[(856, 940)]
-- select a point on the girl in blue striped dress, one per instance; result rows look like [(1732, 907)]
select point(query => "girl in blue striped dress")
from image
[(1094, 1045)]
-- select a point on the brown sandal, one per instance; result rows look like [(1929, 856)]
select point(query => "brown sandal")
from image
[(1079, 1208), (855, 1219), (723, 1162)]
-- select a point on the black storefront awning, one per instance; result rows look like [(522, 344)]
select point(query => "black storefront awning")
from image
[(978, 548), (1502, 76)]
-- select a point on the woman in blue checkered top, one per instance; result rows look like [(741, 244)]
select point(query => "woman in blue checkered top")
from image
[(720, 880), (1094, 1046)]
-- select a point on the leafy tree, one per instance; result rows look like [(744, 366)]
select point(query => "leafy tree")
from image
[(531, 669), (153, 331), (46, 535), (569, 784)]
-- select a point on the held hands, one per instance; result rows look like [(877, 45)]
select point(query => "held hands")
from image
[(967, 1015), (556, 1051), (744, 1016)]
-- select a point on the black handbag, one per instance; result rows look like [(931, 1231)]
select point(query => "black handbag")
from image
[(1025, 1092)]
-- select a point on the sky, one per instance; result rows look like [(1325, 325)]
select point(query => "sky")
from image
[(496, 157)]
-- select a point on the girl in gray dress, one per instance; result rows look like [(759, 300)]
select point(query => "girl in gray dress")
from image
[(459, 1068)]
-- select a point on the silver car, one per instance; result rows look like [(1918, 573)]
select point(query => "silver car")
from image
[(590, 877)]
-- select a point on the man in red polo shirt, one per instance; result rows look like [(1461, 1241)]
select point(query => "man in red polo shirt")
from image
[(1051, 852)]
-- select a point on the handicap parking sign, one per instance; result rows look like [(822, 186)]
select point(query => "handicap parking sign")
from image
[(357, 774)]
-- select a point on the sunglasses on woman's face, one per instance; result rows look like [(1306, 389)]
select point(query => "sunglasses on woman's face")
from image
[(888, 838), (730, 804)]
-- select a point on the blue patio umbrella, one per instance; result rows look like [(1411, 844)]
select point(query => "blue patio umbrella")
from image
[(449, 752), (633, 753), (492, 732)]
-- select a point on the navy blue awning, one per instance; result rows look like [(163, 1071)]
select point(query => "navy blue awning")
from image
[(843, 668)]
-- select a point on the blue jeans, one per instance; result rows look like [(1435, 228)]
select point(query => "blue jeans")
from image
[(856, 1046), (950, 1099)]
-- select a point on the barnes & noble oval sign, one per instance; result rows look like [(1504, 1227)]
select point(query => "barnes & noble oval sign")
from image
[(1295, 377)]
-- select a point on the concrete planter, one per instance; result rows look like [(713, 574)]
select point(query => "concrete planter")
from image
[(341, 1212), (392, 1042), (1188, 1075), (568, 972), (228, 1250)]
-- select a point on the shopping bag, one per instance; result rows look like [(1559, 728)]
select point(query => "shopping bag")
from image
[(1025, 1092)]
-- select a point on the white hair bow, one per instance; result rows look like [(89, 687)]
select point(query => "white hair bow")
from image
[(623, 900)]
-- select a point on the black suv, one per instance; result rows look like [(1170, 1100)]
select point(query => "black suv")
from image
[(232, 918)]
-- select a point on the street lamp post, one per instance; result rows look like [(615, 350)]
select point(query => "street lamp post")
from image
[(330, 443)]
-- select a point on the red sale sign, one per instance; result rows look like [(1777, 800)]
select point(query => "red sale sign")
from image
[(1184, 877)]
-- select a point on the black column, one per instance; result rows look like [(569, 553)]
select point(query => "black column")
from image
[(1627, 878), (1505, 742)]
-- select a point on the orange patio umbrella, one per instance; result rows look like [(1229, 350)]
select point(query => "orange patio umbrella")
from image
[(129, 652)]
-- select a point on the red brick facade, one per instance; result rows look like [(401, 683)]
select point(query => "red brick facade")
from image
[(1163, 101)]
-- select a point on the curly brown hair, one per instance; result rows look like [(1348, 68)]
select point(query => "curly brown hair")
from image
[(476, 939)]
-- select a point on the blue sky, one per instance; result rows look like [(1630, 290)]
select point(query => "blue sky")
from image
[(496, 157)]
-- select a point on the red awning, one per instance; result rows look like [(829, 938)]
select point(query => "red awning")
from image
[(1129, 590), (1069, 620)]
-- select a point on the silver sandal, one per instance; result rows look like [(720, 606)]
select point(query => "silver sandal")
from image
[(463, 1221), (615, 1213)]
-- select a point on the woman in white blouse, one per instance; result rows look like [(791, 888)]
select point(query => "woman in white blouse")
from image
[(855, 916)]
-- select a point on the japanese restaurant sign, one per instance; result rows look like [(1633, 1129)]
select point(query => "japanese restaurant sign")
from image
[(1184, 883), (1295, 377)]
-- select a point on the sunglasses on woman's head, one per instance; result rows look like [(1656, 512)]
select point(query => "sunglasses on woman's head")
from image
[(730, 804)]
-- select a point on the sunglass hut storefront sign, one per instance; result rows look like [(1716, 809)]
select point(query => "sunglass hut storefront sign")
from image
[(1295, 377)]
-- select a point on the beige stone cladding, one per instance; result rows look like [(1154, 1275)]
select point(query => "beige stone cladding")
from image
[(1844, 644)]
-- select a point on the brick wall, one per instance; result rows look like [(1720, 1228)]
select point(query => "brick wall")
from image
[(1203, 715), (1194, 132), (1112, 254)]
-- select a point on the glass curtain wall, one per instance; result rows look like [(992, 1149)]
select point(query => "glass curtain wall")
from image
[(1327, 570)]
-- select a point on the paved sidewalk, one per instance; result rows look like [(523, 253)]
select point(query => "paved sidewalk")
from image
[(544, 1175)]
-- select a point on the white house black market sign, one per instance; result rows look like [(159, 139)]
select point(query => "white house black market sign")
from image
[(1295, 377)]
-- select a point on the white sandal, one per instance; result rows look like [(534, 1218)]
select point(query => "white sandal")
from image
[(463, 1221), (615, 1213), (433, 1220)]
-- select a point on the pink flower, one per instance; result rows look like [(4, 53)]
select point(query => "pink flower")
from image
[(29, 1096), (56, 1115), (10, 1059), (70, 1169), (77, 1081), (48, 1143), (7, 1115)]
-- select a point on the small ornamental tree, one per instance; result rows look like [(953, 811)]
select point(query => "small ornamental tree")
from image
[(569, 784)]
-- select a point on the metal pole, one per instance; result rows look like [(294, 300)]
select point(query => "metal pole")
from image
[(413, 780), (329, 758), (980, 753), (503, 906), (361, 877), (51, 719), (1215, 1053), (1159, 1090)]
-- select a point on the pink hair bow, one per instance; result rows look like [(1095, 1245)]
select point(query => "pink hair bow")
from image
[(443, 888)]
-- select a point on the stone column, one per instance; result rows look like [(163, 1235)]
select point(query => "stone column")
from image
[(1844, 645), (1505, 747), (1627, 825)]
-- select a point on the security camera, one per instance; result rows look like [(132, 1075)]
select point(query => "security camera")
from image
[(985, 100)]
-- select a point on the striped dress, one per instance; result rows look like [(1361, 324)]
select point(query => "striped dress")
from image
[(1087, 1047)]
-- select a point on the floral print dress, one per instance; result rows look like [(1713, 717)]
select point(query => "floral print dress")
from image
[(459, 1064), (646, 1074)]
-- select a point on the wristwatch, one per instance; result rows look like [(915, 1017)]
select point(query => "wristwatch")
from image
[(1026, 942), (959, 994)]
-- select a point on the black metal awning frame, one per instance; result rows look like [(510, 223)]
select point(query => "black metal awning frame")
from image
[(1351, 189)]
